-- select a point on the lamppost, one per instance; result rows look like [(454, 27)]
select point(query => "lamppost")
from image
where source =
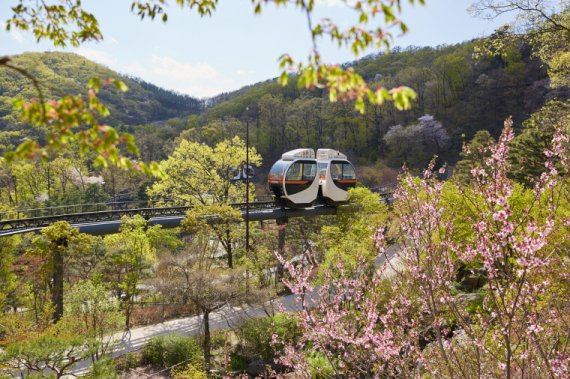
[(247, 182)]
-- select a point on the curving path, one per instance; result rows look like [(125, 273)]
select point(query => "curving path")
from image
[(227, 317)]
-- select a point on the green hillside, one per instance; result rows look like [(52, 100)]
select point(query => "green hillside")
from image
[(60, 74), (463, 93)]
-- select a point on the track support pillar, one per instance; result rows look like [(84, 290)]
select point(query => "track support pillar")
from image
[(281, 227)]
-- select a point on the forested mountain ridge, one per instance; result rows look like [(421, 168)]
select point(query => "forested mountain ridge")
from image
[(463, 92), (60, 74)]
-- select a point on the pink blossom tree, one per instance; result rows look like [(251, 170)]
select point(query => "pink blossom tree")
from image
[(416, 316)]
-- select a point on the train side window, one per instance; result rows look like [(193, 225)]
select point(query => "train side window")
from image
[(295, 171), (309, 171), (348, 171)]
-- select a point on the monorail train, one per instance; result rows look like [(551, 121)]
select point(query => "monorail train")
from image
[(299, 179)]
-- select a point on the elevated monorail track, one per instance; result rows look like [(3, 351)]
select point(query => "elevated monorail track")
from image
[(107, 221)]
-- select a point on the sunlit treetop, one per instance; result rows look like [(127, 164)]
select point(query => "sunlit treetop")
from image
[(66, 22), (544, 24)]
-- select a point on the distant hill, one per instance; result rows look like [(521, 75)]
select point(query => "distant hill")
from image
[(60, 74)]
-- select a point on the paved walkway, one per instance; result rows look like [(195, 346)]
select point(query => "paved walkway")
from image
[(227, 317)]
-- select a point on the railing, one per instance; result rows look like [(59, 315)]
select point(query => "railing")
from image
[(82, 215), (24, 219), (108, 206)]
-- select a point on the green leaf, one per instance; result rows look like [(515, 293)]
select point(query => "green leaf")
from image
[(359, 105), (94, 83), (332, 95), (284, 78), (121, 86)]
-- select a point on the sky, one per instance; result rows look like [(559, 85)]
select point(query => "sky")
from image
[(203, 57)]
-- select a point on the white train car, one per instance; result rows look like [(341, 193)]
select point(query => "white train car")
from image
[(293, 179), (300, 179), (336, 176)]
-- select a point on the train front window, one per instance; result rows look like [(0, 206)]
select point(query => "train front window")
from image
[(277, 170), (294, 172), (336, 171), (322, 169)]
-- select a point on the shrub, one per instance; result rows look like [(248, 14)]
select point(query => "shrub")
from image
[(256, 335), (169, 350), (104, 368), (190, 371), (238, 362), (128, 361), (319, 366)]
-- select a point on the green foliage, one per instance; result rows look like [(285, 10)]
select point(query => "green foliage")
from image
[(238, 362), (75, 120), (211, 219), (542, 24), (129, 361), (349, 239), (190, 371), (103, 369), (527, 156), (256, 336), (13, 325), (319, 366), (217, 220), (8, 280), (63, 179), (91, 313), (473, 156), (61, 24), (55, 352), (169, 350), (56, 244), (343, 82), (131, 254), (199, 174)]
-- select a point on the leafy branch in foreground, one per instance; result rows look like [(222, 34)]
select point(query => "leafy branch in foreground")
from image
[(67, 22), (63, 23), (342, 82)]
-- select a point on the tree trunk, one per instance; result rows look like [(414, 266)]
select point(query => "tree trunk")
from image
[(57, 280), (128, 311), (207, 342), (229, 249)]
